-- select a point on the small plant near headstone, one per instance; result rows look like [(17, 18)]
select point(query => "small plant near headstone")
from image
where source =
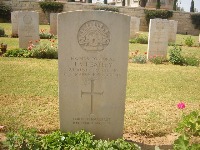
[(189, 41), (45, 35), (17, 53), (189, 128), (2, 32), (5, 12), (44, 49), (137, 57), (157, 60), (41, 50), (29, 139), (191, 61), (175, 56), (142, 39)]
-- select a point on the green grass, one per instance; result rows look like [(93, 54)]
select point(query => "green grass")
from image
[(29, 93)]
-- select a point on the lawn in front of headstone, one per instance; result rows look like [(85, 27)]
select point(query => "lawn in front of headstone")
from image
[(29, 93)]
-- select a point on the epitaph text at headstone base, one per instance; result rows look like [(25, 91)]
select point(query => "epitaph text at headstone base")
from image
[(158, 38), (134, 26), (14, 21), (28, 28), (93, 71), (53, 23), (172, 31)]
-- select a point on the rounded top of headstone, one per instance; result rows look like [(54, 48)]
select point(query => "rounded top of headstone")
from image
[(93, 35)]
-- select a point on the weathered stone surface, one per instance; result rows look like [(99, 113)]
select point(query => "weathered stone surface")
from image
[(134, 27), (93, 56), (158, 38), (53, 23), (172, 31), (28, 28), (14, 21)]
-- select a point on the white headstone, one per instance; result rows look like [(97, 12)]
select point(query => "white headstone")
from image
[(158, 38), (134, 26), (53, 23), (199, 37), (93, 71), (172, 31), (28, 27), (14, 21)]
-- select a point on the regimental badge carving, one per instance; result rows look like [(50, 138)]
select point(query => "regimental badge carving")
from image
[(27, 19), (93, 36)]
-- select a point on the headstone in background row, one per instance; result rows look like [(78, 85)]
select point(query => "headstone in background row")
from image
[(172, 31), (93, 57), (158, 38), (14, 21), (28, 28), (134, 26), (53, 23)]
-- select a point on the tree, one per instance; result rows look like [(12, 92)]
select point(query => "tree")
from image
[(175, 5), (192, 6), (123, 2), (105, 1), (143, 3), (158, 4)]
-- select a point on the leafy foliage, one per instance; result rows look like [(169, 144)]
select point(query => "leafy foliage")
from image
[(45, 35), (191, 61), (175, 56), (138, 57), (189, 41), (158, 60), (51, 6), (196, 20), (114, 9), (17, 53), (81, 140), (190, 124), (152, 14), (5, 12), (41, 50), (2, 32)]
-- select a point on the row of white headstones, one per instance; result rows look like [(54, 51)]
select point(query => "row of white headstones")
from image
[(161, 31), (92, 62)]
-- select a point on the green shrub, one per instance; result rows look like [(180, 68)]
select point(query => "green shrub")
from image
[(45, 35), (191, 61), (196, 20), (5, 12), (51, 6), (175, 56), (17, 53), (81, 140), (189, 41), (142, 39), (158, 60), (152, 14), (44, 50), (188, 127), (107, 8), (139, 58), (2, 32)]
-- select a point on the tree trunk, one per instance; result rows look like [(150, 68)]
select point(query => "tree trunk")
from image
[(143, 3)]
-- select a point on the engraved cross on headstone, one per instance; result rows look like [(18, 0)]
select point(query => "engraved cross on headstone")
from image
[(92, 93)]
